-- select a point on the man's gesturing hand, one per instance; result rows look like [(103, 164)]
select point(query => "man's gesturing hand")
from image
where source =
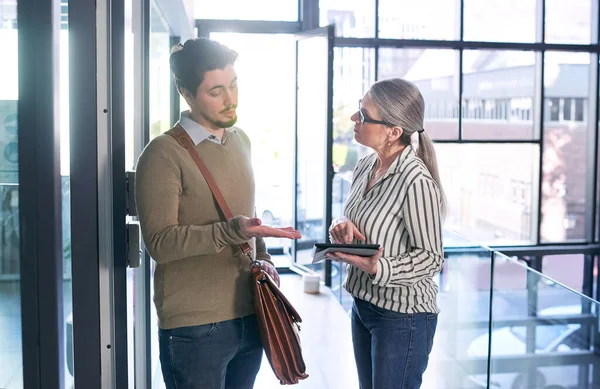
[(253, 228)]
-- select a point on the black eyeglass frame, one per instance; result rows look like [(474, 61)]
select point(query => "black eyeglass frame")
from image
[(364, 118)]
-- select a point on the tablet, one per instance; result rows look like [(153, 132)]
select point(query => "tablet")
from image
[(364, 250)]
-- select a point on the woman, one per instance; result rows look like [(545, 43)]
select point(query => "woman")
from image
[(396, 200)]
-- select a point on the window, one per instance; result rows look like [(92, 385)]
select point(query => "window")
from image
[(520, 108), (350, 83), (554, 267), (498, 95), (479, 181), (564, 184), (486, 20), (352, 18), (493, 80), (272, 135), (569, 21), (579, 110), (425, 19), (283, 10), (567, 109), (553, 109), (501, 109), (160, 74), (438, 84), (10, 302)]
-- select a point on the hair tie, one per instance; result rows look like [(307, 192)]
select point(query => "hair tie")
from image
[(414, 139), (176, 48), (421, 130)]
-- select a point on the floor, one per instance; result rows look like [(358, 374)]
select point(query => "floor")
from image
[(325, 327), (327, 346), (326, 336)]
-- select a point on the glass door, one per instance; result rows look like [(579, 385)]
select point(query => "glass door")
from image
[(148, 102), (11, 371), (265, 70), (314, 139)]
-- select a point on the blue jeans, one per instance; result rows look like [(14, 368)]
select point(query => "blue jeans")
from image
[(391, 349), (224, 355)]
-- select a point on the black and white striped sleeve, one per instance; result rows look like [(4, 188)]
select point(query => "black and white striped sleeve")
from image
[(422, 216)]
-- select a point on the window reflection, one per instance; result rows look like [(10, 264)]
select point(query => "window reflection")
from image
[(564, 184)]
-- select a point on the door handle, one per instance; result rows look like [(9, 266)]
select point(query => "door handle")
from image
[(130, 185), (134, 253)]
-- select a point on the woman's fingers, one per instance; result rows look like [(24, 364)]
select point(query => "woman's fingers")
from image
[(358, 234), (348, 232)]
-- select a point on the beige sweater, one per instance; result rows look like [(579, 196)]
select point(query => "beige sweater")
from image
[(201, 276)]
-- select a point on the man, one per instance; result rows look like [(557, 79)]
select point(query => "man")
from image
[(202, 286)]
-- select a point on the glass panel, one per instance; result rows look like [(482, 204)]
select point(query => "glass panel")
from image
[(269, 128), (350, 83), (352, 18), (458, 358), (438, 84), (569, 21), (130, 161), (565, 146), (487, 20), (544, 322), (130, 158), (65, 169), (568, 269), (429, 19), (312, 108), (160, 74), (283, 10), (11, 359), (498, 95), (160, 121), (491, 202)]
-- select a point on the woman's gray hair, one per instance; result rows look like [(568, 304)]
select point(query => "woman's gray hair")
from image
[(401, 103)]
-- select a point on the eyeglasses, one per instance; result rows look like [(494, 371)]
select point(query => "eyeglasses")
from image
[(364, 118)]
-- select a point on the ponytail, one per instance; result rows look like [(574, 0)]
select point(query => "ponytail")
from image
[(426, 152)]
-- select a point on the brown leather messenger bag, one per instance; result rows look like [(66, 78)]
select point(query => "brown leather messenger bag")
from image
[(278, 321)]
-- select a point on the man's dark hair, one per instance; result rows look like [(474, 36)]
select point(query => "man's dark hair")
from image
[(190, 61)]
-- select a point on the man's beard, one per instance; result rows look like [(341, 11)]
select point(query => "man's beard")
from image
[(222, 124)]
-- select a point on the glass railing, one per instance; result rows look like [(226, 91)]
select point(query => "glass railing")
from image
[(505, 326), (542, 332), (464, 301)]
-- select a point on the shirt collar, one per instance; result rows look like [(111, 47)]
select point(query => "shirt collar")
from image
[(405, 156), (400, 162), (198, 132)]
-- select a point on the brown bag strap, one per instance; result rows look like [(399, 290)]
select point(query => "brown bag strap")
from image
[(183, 138)]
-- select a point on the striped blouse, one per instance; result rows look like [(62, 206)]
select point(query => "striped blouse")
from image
[(402, 213)]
